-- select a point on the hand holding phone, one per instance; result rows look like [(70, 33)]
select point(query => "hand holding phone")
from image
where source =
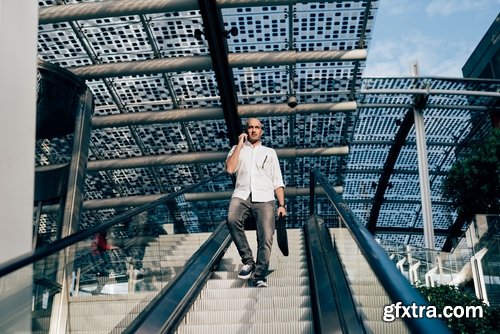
[(242, 138)]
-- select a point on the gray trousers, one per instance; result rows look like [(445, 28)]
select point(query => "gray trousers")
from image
[(263, 212)]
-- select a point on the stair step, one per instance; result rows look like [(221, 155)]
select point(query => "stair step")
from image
[(358, 265), (163, 258), (396, 327), (373, 313), (249, 317), (283, 307), (232, 258), (372, 301), (276, 254), (111, 298), (102, 308), (302, 272), (272, 281), (167, 257), (90, 331), (182, 237), (255, 292), (95, 321), (303, 327), (374, 289), (248, 303), (272, 266), (167, 252)]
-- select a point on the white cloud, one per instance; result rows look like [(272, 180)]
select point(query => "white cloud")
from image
[(397, 7), (383, 60), (435, 57), (449, 7)]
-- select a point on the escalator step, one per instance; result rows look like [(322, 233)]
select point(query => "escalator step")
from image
[(301, 272), (303, 327), (272, 281), (255, 292), (231, 305), (372, 300), (379, 326), (273, 266), (251, 303), (246, 317), (372, 289)]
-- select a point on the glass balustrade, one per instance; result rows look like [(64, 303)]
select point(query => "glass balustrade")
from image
[(428, 267), (102, 282)]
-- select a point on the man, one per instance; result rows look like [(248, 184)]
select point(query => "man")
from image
[(258, 179)]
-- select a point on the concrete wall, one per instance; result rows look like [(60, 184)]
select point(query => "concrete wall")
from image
[(18, 52)]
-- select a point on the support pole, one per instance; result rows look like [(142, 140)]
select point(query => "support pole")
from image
[(423, 168)]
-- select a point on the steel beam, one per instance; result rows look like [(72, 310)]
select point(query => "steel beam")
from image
[(427, 106), (103, 9), (205, 157), (389, 142), (408, 231), (455, 231), (130, 201), (204, 63), (115, 8), (395, 171), (274, 58), (290, 192), (215, 35), (420, 101), (418, 91), (423, 171), (214, 113), (255, 3), (390, 162), (144, 67), (78, 166), (393, 201)]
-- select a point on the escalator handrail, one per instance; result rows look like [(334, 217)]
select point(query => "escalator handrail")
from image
[(47, 250), (166, 311), (396, 285), (328, 282)]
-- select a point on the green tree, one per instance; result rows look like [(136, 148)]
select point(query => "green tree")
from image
[(448, 295), (473, 182)]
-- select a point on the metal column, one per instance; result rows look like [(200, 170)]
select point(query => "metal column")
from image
[(423, 168)]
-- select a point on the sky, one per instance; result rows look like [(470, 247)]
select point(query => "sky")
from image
[(439, 35)]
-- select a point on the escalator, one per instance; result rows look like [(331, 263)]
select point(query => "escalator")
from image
[(368, 293), (188, 284), (302, 296), (228, 304)]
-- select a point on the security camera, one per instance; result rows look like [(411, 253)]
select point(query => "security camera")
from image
[(292, 101)]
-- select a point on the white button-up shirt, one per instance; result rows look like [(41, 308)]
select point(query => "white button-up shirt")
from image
[(258, 173)]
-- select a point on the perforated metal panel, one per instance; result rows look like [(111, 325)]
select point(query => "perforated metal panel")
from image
[(368, 131)]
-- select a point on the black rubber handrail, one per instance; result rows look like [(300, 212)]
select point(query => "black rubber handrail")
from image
[(166, 311), (44, 251), (394, 283), (331, 298)]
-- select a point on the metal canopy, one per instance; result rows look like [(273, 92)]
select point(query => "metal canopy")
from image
[(163, 118)]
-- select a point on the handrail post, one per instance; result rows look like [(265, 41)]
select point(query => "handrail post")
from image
[(312, 187)]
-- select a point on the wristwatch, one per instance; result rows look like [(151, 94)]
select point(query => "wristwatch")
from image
[(282, 206)]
